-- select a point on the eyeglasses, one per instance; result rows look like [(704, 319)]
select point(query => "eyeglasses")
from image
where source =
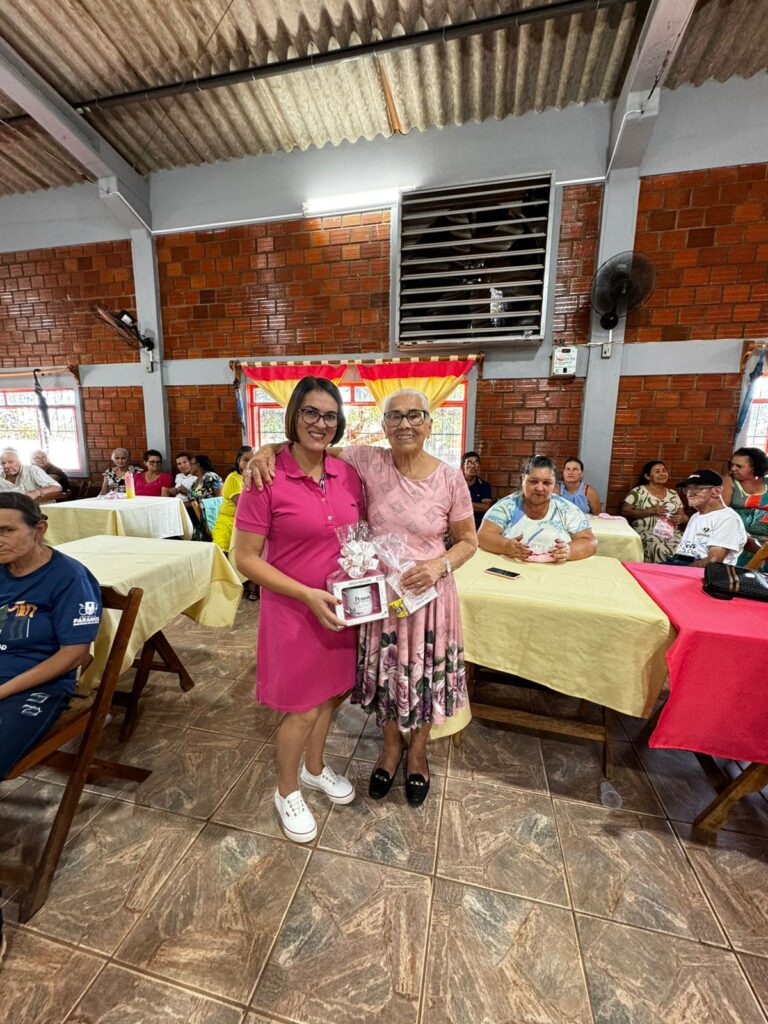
[(154, 462), (698, 490), (311, 415), (414, 416)]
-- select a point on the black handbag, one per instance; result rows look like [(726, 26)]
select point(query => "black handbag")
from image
[(728, 581)]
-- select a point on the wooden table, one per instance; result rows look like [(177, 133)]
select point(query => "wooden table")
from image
[(119, 517), (585, 629), (193, 579), (616, 539)]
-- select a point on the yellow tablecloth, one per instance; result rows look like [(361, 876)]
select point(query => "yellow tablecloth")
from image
[(585, 628), (616, 539), (135, 517), (194, 578)]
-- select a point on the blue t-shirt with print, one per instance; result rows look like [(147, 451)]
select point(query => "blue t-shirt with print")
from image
[(55, 606)]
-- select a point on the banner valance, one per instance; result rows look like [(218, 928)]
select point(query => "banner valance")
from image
[(436, 378)]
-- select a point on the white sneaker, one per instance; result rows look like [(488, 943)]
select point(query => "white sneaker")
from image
[(296, 818), (337, 788)]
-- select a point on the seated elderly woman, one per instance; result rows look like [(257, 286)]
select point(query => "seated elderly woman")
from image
[(40, 459), (29, 480), (153, 482), (535, 524), (114, 477)]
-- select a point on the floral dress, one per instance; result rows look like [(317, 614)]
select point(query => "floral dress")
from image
[(655, 549), (206, 486), (412, 670)]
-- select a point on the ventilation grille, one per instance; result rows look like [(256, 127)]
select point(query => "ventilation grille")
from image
[(472, 263)]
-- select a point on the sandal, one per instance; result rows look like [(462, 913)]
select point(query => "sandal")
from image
[(416, 787)]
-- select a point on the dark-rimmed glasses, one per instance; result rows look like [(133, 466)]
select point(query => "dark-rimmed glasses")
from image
[(414, 416), (698, 490), (311, 415)]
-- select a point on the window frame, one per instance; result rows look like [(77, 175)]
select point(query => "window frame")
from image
[(76, 406)]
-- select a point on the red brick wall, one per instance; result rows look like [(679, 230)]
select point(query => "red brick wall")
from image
[(112, 418), (687, 422), (576, 253), (518, 418), (707, 234), (203, 420), (298, 287), (45, 296)]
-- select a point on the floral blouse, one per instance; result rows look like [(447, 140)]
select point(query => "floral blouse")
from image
[(206, 486)]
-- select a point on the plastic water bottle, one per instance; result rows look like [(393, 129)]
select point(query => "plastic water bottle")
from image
[(610, 797), (130, 490)]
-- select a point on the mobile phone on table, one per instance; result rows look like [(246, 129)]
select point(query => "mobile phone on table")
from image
[(507, 574)]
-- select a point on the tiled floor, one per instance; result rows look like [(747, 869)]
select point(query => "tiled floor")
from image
[(511, 897)]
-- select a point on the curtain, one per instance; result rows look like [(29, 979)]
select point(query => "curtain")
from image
[(279, 379), (751, 378), (436, 377)]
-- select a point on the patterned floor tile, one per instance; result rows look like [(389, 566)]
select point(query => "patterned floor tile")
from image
[(499, 755), (212, 924), (351, 948), (495, 957), (503, 839), (236, 713), (574, 770), (348, 722), (369, 747), (644, 977), (110, 872), (121, 997), (756, 968), (42, 980), (388, 831), (734, 874), (630, 868)]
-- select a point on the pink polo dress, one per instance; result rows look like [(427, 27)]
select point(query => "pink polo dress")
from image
[(299, 663)]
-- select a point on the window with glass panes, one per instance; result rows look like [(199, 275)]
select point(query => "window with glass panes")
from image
[(757, 429), (22, 427), (266, 420)]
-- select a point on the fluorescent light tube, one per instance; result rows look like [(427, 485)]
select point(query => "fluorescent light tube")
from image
[(352, 201)]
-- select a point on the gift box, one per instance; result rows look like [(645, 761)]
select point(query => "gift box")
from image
[(359, 585), (362, 600)]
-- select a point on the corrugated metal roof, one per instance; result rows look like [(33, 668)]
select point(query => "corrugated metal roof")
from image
[(89, 48)]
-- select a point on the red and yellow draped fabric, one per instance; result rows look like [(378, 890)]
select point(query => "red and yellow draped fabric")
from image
[(279, 379), (436, 377)]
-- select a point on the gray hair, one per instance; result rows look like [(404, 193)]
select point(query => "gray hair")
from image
[(407, 391), (123, 450), (538, 462)]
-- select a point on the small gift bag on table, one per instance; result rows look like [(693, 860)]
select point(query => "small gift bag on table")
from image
[(359, 584)]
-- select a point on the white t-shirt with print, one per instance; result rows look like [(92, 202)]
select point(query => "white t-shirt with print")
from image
[(187, 480), (719, 529)]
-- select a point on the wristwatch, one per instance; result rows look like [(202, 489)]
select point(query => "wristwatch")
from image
[(448, 569)]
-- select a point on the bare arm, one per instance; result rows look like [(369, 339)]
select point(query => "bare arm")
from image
[(65, 659), (593, 499), (482, 506), (713, 555), (491, 538), (248, 552), (44, 492), (583, 544), (631, 513), (261, 466)]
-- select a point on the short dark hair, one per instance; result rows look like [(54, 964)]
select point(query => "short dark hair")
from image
[(183, 455), (302, 389), (22, 503), (153, 451), (470, 455), (204, 463), (645, 472), (538, 462), (757, 457), (240, 453), (573, 458)]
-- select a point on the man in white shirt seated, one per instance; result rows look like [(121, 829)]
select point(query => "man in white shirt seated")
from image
[(714, 533), (31, 480), (185, 478)]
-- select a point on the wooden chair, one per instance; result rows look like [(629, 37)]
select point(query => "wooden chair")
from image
[(758, 558), (85, 717)]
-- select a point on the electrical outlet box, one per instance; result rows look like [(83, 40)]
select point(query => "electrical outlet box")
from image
[(564, 361)]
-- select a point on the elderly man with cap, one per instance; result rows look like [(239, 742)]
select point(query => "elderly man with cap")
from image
[(714, 533)]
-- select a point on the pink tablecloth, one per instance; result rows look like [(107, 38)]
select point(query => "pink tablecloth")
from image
[(718, 667)]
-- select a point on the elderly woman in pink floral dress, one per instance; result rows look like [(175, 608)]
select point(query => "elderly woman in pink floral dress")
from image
[(410, 671)]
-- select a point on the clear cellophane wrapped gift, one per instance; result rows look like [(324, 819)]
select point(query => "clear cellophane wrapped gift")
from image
[(359, 584), (392, 551)]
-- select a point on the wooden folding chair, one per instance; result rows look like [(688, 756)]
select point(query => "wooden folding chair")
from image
[(85, 717), (758, 558)]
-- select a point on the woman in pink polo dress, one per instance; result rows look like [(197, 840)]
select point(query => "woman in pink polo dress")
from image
[(287, 543)]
